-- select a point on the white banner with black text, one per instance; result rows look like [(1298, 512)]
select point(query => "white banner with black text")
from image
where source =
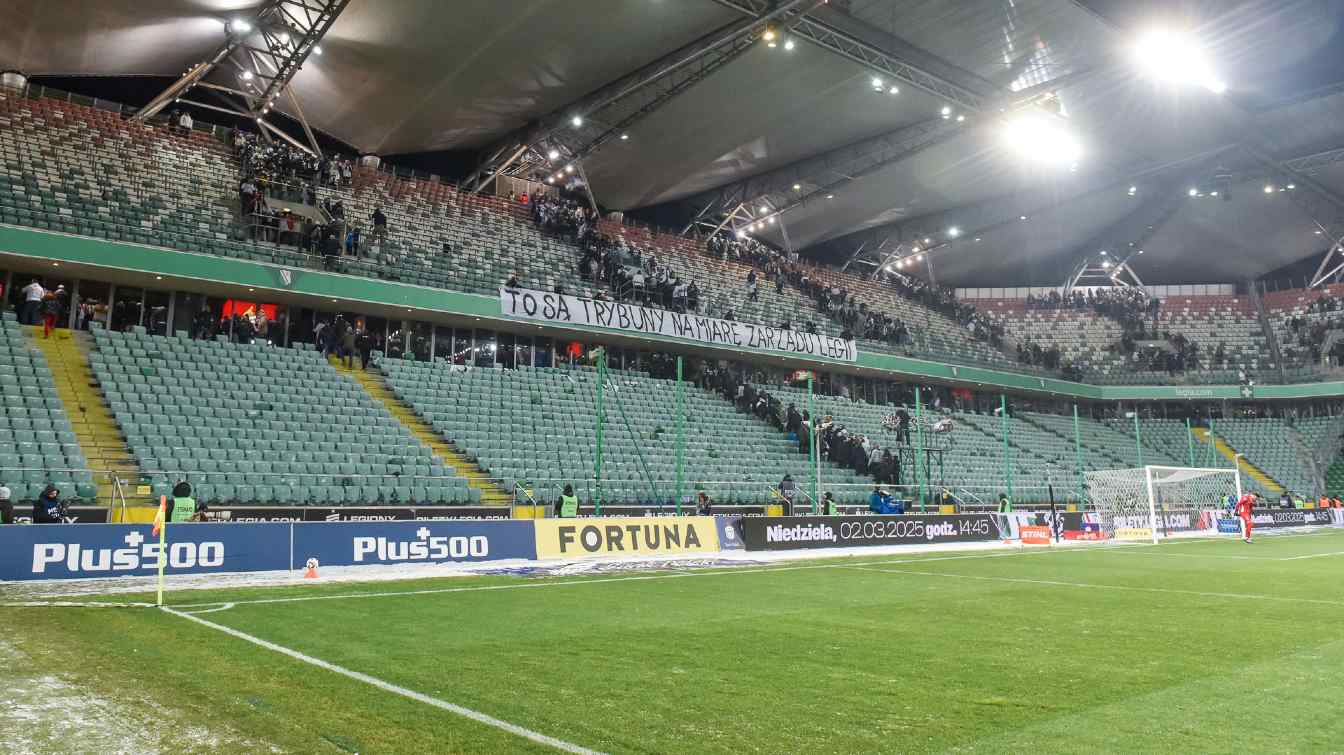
[(578, 310)]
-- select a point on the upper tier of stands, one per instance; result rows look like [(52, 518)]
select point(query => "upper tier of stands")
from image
[(257, 424), (1093, 342), (78, 169), (37, 446)]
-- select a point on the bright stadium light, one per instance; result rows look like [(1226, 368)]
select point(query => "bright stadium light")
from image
[(954, 232), (1269, 188), (553, 154), (241, 26), (946, 111), (247, 75), (317, 49), (284, 38), (788, 44), (764, 209), (893, 89), (576, 121), (1041, 138), (625, 137), (1176, 58), (569, 168), (877, 84), (797, 187), (1193, 192), (1133, 190)]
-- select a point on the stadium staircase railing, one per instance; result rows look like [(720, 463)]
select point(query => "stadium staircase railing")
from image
[(372, 383), (1247, 468)]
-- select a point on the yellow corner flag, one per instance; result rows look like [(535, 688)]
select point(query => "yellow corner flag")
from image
[(161, 529), (161, 516)]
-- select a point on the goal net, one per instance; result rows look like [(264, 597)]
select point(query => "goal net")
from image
[(1146, 503)]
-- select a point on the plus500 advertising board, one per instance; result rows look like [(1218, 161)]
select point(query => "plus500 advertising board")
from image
[(83, 551)]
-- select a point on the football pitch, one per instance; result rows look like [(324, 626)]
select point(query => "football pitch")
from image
[(1188, 646)]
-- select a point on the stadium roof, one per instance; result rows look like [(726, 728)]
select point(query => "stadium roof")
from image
[(418, 75)]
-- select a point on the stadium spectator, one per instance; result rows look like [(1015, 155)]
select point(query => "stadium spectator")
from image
[(828, 505), (48, 508), (184, 123), (379, 224), (787, 490), (1285, 500), (702, 505), (512, 282), (6, 505), (880, 502), (364, 343), (32, 302), (53, 306), (569, 503), (1005, 504)]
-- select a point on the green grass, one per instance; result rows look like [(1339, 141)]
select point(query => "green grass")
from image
[(1185, 647)]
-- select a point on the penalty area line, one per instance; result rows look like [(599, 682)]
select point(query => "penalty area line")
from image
[(1095, 586), (385, 686)]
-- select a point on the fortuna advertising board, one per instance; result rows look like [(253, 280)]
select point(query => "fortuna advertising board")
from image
[(787, 533), (711, 331), (626, 536), (57, 551)]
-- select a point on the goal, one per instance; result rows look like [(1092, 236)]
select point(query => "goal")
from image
[(1146, 503)]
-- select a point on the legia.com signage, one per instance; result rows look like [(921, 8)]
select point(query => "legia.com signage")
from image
[(578, 310)]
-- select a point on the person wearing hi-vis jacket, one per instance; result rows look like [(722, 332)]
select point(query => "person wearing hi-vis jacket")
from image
[(569, 503)]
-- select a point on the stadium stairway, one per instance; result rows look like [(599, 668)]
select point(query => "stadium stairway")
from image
[(372, 383), (1247, 468), (91, 419)]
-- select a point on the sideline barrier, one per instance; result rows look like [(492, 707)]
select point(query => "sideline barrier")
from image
[(68, 551), (792, 532), (626, 536)]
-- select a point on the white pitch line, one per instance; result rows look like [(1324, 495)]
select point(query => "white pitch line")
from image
[(1094, 586), (1312, 555), (220, 607), (411, 694), (641, 578)]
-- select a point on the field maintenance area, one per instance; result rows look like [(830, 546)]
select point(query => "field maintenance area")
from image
[(1188, 646)]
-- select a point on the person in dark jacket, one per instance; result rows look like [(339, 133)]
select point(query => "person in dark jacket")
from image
[(48, 508), (6, 505), (702, 505)]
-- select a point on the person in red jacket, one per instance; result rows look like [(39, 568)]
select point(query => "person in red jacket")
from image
[(1246, 510)]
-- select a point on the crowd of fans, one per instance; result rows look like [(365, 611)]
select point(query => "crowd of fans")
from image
[(1312, 334)]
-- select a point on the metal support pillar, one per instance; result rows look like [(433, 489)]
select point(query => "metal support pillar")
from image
[(1007, 449)]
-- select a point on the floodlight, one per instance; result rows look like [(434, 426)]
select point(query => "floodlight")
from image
[(1290, 187), (893, 89), (741, 234), (928, 241), (284, 38), (877, 84), (1193, 192), (764, 209), (961, 119), (797, 187), (241, 26), (947, 110), (1021, 217), (1269, 188), (1106, 265), (569, 168), (919, 257), (1176, 58), (769, 35), (771, 220), (553, 154), (625, 137), (1133, 190), (830, 196), (247, 75), (788, 44), (576, 121), (550, 179), (1041, 138), (954, 232), (317, 49)]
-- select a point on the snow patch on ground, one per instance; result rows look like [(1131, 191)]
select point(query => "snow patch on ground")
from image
[(44, 713)]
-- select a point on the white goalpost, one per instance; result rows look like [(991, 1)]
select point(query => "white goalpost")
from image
[(1152, 502)]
